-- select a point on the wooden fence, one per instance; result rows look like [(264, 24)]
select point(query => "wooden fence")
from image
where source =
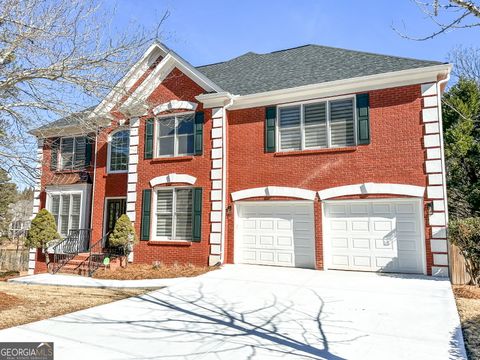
[(458, 274), (11, 259)]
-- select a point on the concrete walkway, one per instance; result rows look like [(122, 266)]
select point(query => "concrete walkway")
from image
[(254, 312), (83, 281)]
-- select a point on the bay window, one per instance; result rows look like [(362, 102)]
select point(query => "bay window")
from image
[(65, 209)]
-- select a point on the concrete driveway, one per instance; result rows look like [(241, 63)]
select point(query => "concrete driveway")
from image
[(254, 312)]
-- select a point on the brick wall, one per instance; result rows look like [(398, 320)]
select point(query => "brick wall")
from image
[(395, 155)]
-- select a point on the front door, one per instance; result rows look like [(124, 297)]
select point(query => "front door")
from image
[(114, 209)]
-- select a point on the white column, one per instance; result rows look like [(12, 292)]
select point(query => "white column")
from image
[(36, 201)]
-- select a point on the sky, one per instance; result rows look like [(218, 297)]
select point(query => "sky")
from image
[(210, 31)]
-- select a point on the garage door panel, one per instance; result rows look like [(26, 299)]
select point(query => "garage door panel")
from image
[(374, 235), (359, 243), (280, 234)]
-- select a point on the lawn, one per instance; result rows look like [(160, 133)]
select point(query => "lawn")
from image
[(21, 304), (468, 303), (145, 271)]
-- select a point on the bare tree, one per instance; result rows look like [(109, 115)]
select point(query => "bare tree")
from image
[(446, 15), (57, 57), (466, 61)]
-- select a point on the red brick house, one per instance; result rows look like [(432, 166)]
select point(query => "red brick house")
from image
[(312, 157)]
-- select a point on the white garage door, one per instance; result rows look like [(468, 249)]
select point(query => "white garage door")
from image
[(376, 235), (275, 233)]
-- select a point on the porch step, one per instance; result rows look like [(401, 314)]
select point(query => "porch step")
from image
[(77, 265)]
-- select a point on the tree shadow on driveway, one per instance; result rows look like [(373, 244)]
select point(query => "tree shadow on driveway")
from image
[(199, 325)]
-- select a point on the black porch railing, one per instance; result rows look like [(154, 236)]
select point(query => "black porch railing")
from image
[(77, 241), (99, 251)]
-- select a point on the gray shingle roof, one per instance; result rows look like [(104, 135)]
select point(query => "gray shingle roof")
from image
[(73, 119), (310, 64)]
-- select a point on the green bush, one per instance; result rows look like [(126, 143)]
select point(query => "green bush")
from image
[(465, 233), (42, 230), (123, 233)]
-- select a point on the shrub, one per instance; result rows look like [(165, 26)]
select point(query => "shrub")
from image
[(123, 234), (465, 233), (42, 230)]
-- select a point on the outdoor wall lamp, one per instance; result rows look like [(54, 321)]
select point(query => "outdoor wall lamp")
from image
[(430, 207)]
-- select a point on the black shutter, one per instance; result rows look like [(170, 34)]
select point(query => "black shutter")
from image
[(363, 119), (198, 133), (148, 150), (197, 215), (145, 221), (54, 147), (270, 120), (88, 150)]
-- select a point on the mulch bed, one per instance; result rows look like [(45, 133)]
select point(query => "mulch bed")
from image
[(8, 301), (145, 271), (466, 291), (5, 275)]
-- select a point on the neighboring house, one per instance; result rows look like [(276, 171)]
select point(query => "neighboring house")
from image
[(21, 212), (313, 157)]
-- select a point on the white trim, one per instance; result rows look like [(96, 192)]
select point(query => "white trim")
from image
[(132, 76), (85, 206), (104, 223), (330, 88), (274, 191), (173, 178), (372, 188), (326, 244), (109, 140), (136, 100), (175, 104)]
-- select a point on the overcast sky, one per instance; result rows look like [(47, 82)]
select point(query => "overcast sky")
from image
[(211, 31)]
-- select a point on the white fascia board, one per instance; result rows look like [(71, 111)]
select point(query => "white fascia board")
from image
[(214, 100), (334, 88), (155, 78), (132, 76)]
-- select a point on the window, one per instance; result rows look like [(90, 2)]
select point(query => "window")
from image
[(173, 213), (175, 136), (65, 208), (316, 125), (72, 153), (118, 149)]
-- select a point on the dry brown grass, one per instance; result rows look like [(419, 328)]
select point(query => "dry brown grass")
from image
[(145, 271), (21, 304), (468, 303)]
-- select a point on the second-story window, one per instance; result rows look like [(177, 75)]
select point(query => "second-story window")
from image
[(316, 125), (72, 153), (175, 136), (118, 149)]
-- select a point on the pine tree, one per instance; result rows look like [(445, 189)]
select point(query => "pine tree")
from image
[(8, 192)]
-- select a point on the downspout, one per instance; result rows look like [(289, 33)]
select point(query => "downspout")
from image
[(440, 121), (224, 176), (444, 173)]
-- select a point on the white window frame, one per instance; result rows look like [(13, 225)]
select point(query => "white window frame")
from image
[(153, 212), (61, 195), (175, 136), (109, 155), (60, 165), (302, 123)]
